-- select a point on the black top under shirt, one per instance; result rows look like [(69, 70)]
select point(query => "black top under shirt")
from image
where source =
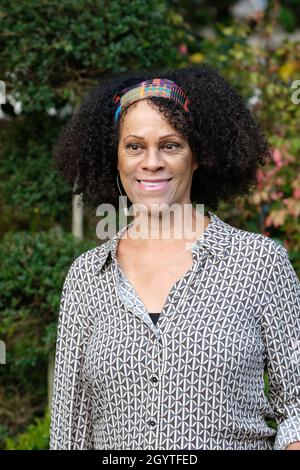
[(154, 317)]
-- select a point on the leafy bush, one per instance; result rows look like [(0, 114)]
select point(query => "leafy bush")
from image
[(52, 52), (264, 75), (33, 195), (34, 266), (36, 436)]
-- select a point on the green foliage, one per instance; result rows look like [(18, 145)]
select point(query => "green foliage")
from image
[(33, 195), (289, 17), (197, 13), (53, 51), (36, 436), (264, 77), (34, 266)]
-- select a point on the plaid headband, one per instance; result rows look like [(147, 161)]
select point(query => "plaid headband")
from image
[(155, 87)]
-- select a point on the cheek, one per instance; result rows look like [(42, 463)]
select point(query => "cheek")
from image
[(125, 164), (183, 166), (121, 158)]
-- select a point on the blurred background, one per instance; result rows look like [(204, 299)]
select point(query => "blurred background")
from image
[(51, 53)]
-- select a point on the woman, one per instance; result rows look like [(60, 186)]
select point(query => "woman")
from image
[(163, 340)]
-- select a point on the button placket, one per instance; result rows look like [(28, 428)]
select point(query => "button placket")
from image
[(155, 390)]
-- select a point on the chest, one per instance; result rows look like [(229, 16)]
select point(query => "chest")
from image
[(215, 334), (216, 323), (154, 274)]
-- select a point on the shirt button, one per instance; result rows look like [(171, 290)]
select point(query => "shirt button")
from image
[(154, 379), (152, 423)]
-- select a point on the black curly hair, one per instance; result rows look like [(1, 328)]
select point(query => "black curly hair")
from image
[(220, 130)]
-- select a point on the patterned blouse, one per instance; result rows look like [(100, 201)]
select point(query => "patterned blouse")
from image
[(195, 379)]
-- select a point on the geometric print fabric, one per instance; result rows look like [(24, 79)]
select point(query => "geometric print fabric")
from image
[(193, 380)]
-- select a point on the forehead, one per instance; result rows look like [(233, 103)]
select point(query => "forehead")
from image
[(142, 115)]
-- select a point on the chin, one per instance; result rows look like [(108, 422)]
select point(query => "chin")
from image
[(153, 207)]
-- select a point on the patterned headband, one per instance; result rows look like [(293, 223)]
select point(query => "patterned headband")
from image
[(155, 87)]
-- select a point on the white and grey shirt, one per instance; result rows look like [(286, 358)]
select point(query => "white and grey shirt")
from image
[(195, 379)]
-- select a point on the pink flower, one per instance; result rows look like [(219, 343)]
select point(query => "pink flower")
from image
[(260, 176), (183, 49), (277, 157), (296, 193), (277, 195), (273, 196), (268, 221)]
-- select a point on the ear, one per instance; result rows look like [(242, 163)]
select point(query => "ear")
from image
[(196, 163)]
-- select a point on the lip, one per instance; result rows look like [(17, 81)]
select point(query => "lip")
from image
[(162, 184)]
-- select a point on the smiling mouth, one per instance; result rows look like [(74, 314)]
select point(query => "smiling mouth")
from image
[(157, 185)]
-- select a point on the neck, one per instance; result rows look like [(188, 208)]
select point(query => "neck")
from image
[(178, 222)]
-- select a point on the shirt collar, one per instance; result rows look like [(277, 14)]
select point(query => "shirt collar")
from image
[(215, 240)]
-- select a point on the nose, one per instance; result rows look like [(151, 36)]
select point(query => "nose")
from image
[(152, 160)]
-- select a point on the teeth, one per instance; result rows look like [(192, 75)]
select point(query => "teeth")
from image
[(147, 183)]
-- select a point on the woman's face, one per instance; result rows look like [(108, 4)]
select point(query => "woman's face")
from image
[(151, 150)]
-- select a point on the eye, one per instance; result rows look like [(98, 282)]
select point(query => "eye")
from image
[(132, 145), (172, 144)]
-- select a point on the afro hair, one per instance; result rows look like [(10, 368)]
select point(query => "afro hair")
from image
[(220, 130)]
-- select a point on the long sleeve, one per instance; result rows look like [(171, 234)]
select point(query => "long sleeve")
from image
[(71, 424), (282, 341)]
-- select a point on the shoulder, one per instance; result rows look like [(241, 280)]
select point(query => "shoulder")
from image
[(88, 262), (261, 258), (255, 247), (91, 261), (262, 261)]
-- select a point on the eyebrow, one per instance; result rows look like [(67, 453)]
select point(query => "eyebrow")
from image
[(161, 138)]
